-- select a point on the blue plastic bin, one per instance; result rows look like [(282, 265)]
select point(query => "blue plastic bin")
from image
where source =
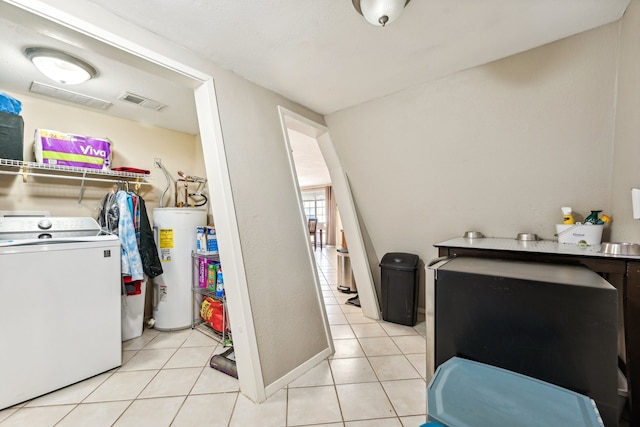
[(464, 393)]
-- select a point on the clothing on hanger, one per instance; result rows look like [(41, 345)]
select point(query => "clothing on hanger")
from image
[(124, 214), (148, 250), (130, 256)]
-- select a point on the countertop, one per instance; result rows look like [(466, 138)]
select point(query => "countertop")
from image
[(536, 246)]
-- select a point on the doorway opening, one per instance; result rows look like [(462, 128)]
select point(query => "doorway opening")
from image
[(344, 227), (314, 182)]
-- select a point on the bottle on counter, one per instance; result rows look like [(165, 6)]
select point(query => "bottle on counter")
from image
[(593, 217), (567, 216)]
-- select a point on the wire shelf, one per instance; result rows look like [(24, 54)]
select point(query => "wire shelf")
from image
[(72, 169), (70, 172)]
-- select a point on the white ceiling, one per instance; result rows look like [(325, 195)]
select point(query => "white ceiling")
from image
[(311, 168), (319, 53), (322, 54)]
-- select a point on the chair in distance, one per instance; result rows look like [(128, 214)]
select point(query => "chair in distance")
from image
[(313, 229)]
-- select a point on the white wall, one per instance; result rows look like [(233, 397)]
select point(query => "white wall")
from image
[(498, 148), (626, 170), (272, 230), (133, 145)]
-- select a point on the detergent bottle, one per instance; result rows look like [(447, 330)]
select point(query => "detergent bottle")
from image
[(219, 284), (567, 216)]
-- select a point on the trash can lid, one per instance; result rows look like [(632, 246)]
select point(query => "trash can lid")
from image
[(464, 393), (399, 261)]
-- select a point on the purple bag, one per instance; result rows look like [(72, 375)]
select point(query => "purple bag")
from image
[(66, 149)]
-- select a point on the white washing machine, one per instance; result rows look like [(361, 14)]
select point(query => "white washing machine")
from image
[(59, 303)]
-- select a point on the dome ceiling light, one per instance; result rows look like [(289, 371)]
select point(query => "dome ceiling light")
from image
[(380, 12), (60, 66)]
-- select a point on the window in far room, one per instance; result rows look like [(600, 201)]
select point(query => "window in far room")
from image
[(314, 204)]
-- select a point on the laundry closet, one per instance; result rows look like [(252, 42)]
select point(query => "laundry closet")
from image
[(30, 187)]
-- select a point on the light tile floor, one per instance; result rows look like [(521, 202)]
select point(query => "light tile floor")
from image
[(376, 378)]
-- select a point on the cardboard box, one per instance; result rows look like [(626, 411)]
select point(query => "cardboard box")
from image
[(201, 239), (212, 240), (206, 240)]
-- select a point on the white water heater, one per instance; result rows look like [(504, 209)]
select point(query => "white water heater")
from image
[(175, 230)]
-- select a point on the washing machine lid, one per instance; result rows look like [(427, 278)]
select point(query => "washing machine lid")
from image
[(47, 228)]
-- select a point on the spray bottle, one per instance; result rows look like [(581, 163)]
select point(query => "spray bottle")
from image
[(567, 216)]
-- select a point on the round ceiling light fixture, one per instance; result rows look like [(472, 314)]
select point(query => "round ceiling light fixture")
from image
[(380, 12), (60, 66)]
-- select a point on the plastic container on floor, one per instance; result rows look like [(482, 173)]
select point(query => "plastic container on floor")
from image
[(133, 314), (463, 393)]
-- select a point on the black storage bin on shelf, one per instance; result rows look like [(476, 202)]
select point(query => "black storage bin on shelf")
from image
[(399, 274), (11, 136)]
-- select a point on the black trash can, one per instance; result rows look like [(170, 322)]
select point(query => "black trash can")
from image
[(399, 273)]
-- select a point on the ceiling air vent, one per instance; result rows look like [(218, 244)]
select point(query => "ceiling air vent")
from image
[(69, 96), (142, 101)]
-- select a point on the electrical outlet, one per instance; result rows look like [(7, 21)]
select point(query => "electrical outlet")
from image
[(157, 161)]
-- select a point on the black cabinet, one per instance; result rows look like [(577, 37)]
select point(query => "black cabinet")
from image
[(556, 323)]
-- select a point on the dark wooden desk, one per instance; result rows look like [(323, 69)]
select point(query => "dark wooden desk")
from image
[(627, 267)]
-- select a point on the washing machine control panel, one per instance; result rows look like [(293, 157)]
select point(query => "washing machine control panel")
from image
[(44, 224), (32, 227)]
